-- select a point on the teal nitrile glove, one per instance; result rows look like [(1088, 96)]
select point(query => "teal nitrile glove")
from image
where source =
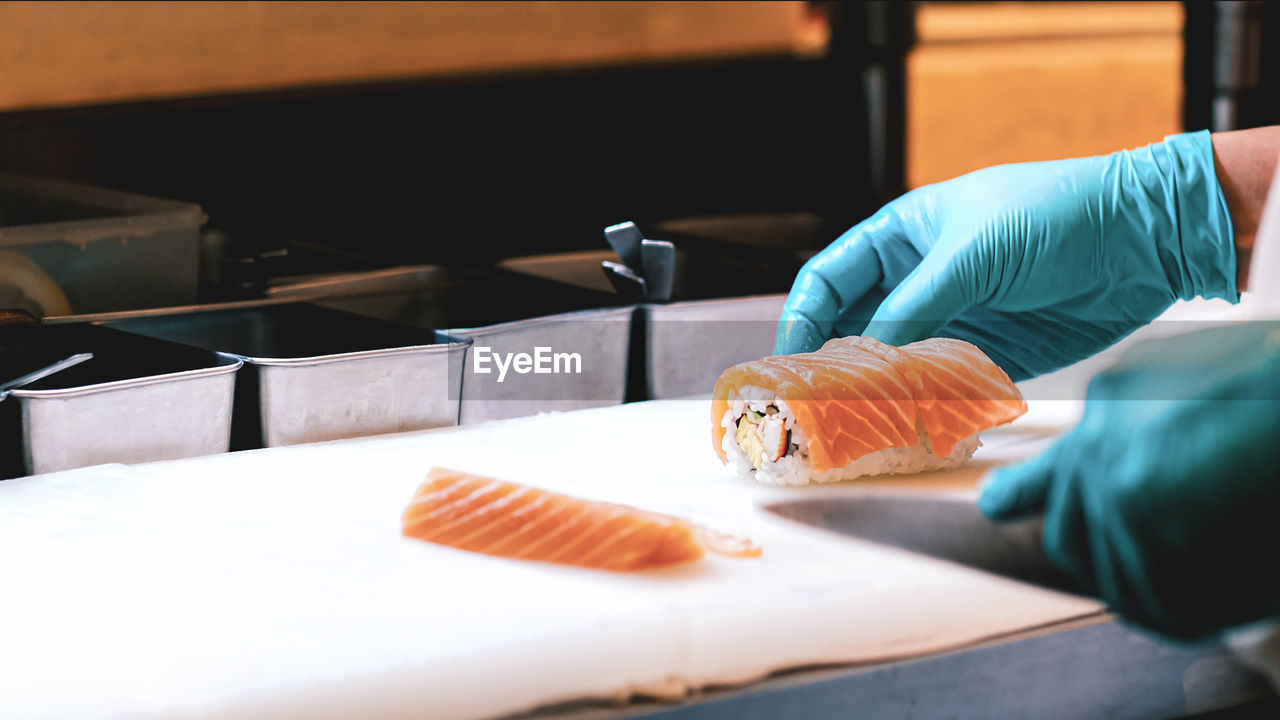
[(1165, 499), (1038, 264)]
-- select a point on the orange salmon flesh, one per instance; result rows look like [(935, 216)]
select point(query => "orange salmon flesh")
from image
[(857, 395), (494, 517)]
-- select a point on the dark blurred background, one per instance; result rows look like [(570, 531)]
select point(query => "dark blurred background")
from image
[(465, 165), (457, 133)]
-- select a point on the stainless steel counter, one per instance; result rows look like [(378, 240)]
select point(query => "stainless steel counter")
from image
[(1096, 668)]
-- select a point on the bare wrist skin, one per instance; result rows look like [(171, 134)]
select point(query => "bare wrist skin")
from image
[(1245, 161)]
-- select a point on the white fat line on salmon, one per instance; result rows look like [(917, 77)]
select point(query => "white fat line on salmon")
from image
[(543, 361)]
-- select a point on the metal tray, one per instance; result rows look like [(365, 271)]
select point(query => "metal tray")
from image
[(138, 400), (506, 311), (86, 250), (686, 345), (579, 268), (601, 339), (315, 374), (413, 294)]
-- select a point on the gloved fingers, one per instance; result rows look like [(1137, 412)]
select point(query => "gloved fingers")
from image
[(832, 282), (799, 332), (854, 319), (1016, 491), (1024, 344), (1108, 569), (1122, 578), (935, 292), (1067, 532)]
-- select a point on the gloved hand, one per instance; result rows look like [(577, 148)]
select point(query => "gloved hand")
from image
[(1038, 264), (1165, 499)]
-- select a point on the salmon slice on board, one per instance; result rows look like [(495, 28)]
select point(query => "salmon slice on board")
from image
[(484, 515)]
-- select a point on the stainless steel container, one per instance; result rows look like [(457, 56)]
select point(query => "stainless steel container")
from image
[(137, 400), (160, 417), (361, 393), (315, 374), (509, 313), (688, 344), (600, 340)]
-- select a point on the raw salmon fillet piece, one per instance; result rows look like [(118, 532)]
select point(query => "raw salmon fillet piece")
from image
[(959, 391), (856, 395), (495, 517)]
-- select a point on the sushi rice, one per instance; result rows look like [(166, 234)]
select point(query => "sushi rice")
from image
[(771, 427)]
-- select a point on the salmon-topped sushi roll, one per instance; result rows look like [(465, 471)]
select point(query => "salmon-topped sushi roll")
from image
[(859, 407)]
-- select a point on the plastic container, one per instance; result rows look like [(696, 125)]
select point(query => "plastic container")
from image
[(91, 250)]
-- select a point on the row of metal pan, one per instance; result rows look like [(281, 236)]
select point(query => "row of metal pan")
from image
[(184, 382)]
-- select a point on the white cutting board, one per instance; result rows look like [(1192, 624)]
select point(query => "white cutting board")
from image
[(275, 583)]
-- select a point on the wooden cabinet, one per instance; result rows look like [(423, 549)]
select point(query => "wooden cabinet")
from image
[(76, 53), (993, 83)]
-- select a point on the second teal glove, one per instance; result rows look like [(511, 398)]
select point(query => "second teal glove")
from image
[(1165, 499), (1039, 264)]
